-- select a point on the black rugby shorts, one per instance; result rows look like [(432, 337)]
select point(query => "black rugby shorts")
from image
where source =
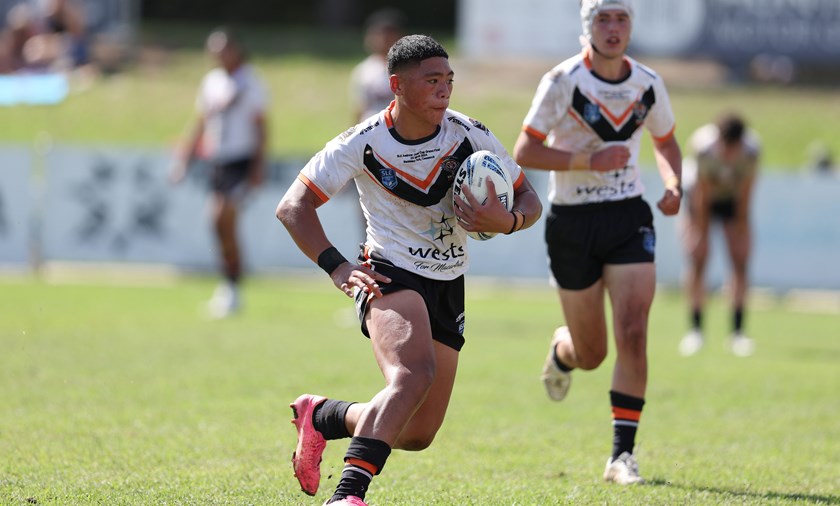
[(228, 178), (444, 301), (581, 239)]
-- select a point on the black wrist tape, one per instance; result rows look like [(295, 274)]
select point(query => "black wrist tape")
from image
[(330, 259)]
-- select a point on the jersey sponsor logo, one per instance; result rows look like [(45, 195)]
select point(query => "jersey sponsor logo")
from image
[(440, 229), (608, 126), (453, 119), (607, 191), (369, 128), (479, 125), (437, 266), (447, 256), (443, 255)]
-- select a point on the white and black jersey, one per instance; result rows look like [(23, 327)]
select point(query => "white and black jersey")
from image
[(405, 188), (576, 110)]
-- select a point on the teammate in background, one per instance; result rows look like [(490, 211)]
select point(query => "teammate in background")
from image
[(585, 126), (719, 179), (409, 281), (370, 89), (231, 132)]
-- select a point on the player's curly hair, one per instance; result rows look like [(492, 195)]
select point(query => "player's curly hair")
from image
[(411, 50)]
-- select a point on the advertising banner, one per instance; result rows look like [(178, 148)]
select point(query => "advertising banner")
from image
[(15, 205), (731, 31)]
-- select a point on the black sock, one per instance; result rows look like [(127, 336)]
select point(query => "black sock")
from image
[(354, 481), (328, 419), (738, 320), (626, 411), (365, 458), (696, 319), (560, 365)]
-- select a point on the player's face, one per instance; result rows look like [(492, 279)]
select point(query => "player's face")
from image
[(611, 32), (424, 90)]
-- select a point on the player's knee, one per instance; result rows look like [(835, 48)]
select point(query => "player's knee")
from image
[(591, 359), (632, 339)]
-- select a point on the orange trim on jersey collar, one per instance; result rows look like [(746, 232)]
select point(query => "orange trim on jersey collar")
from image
[(309, 184), (423, 184), (389, 120)]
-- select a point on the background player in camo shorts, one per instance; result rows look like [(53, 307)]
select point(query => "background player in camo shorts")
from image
[(719, 179)]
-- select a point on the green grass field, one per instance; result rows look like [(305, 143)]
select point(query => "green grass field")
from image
[(125, 395), (151, 102)]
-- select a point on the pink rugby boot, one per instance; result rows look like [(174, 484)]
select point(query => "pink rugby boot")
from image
[(307, 457)]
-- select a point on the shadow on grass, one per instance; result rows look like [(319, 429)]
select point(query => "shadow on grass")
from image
[(734, 492)]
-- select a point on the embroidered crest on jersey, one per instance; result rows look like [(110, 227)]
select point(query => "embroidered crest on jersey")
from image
[(591, 113), (422, 193), (608, 126), (449, 166), (388, 178), (640, 111)]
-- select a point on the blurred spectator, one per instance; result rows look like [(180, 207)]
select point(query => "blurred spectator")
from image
[(231, 133), (718, 180), (49, 36), (370, 88), (21, 26)]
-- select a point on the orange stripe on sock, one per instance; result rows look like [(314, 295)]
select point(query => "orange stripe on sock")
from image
[(367, 466), (626, 414)]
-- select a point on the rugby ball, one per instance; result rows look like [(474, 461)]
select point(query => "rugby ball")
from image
[(473, 174)]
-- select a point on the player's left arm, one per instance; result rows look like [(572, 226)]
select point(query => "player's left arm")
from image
[(527, 207), (669, 162)]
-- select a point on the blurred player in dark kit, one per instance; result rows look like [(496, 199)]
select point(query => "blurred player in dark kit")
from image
[(231, 132)]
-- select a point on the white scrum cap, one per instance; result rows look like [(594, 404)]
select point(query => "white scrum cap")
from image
[(591, 8)]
